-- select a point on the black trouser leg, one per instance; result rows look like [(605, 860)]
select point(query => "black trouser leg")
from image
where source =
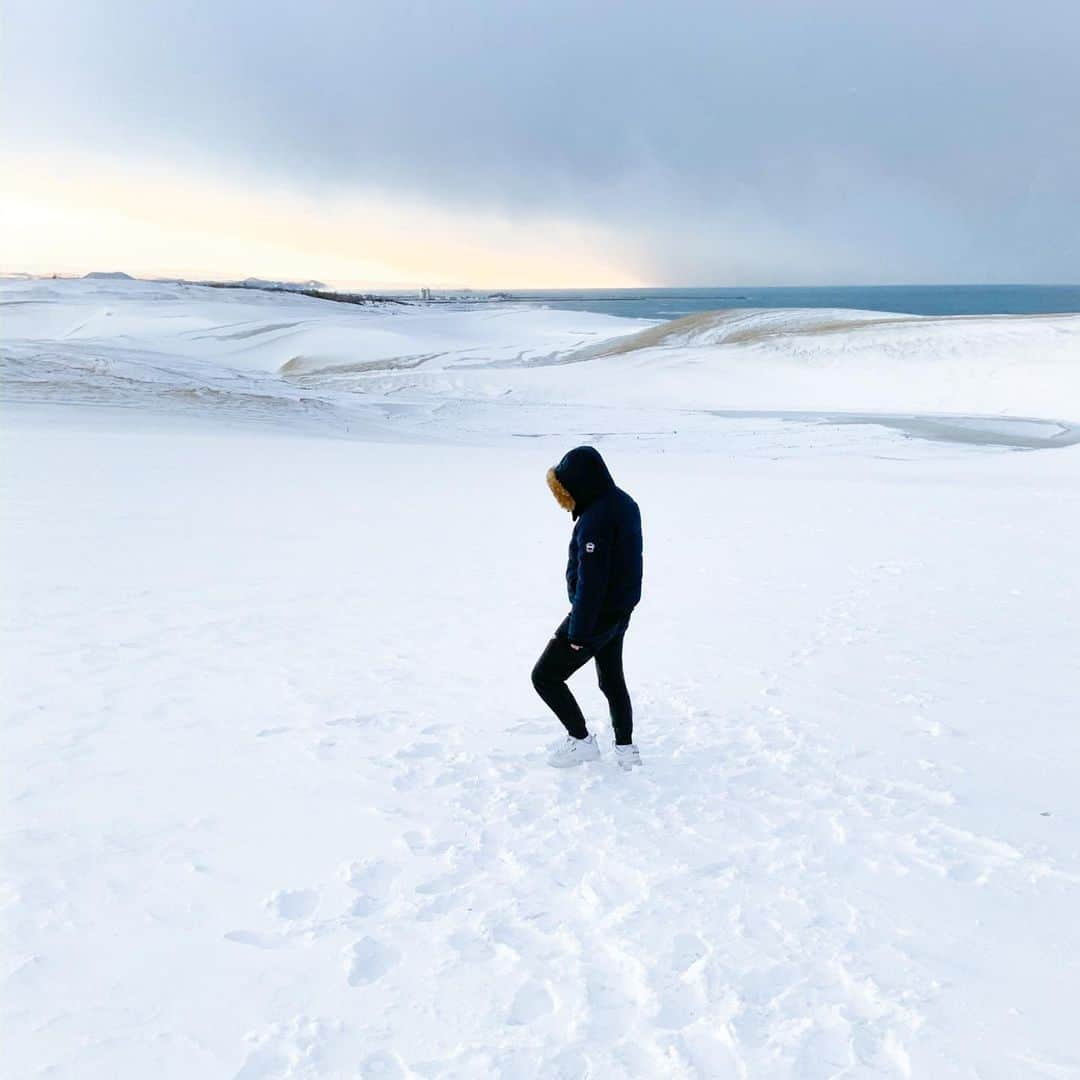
[(556, 664), (609, 669)]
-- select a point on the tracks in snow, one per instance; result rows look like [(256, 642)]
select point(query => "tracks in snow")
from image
[(729, 910)]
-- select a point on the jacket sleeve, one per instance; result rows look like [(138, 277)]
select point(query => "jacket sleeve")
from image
[(595, 543)]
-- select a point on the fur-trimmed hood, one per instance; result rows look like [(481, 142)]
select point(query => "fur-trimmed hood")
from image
[(582, 476)]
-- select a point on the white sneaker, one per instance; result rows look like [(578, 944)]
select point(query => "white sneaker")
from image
[(560, 742), (627, 756), (573, 751)]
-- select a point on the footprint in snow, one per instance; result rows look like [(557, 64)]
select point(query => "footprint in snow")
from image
[(248, 937), (681, 1004), (419, 842), (471, 946), (281, 1046), (438, 907), (530, 727), (827, 1051), (453, 776), (435, 729), (267, 732), (531, 1003), (610, 1005), (419, 750), (382, 1066), (444, 883), (369, 960), (293, 904), (372, 879), (687, 950), (352, 721), (716, 870), (408, 780)]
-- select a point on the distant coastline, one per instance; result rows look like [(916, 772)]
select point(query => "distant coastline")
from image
[(677, 302)]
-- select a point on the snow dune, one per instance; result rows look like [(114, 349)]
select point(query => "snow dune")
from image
[(256, 331), (749, 326), (836, 360), (276, 804), (142, 342)]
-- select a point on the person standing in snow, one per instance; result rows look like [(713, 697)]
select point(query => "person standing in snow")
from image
[(603, 578)]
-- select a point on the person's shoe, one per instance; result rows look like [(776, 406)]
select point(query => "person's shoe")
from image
[(573, 751), (626, 757), (557, 744)]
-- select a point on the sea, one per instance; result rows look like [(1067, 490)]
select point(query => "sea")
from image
[(912, 299)]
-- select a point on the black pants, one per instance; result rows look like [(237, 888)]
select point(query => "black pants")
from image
[(560, 660)]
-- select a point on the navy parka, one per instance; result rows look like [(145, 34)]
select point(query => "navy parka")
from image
[(603, 572)]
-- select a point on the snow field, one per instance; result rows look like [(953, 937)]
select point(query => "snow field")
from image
[(277, 806)]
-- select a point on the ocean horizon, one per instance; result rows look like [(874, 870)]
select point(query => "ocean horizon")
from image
[(676, 302)]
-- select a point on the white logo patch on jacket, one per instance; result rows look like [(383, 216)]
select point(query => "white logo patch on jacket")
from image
[(590, 546)]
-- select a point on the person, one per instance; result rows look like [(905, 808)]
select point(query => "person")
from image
[(603, 579)]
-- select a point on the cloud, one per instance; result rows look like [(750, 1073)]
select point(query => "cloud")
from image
[(778, 141)]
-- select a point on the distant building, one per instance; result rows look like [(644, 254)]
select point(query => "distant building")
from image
[(425, 294)]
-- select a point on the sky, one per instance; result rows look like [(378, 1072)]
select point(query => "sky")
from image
[(519, 144)]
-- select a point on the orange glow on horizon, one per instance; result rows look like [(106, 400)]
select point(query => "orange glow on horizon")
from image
[(71, 216)]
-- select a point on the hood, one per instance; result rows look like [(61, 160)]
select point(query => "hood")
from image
[(583, 473)]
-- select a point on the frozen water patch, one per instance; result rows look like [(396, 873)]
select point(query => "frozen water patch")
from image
[(1021, 433)]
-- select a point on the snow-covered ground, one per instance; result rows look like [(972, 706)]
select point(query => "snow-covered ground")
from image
[(275, 800)]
